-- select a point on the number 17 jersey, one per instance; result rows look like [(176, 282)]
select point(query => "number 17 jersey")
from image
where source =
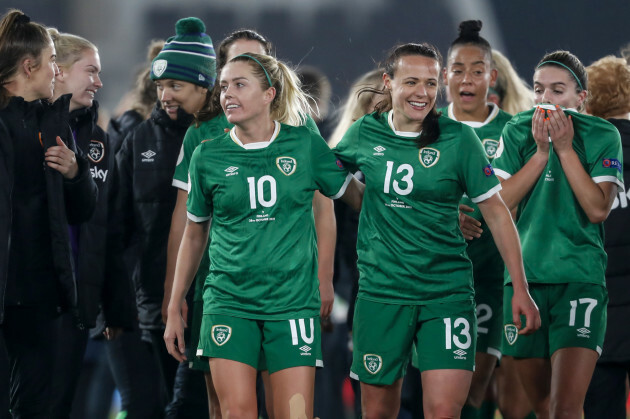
[(410, 247)]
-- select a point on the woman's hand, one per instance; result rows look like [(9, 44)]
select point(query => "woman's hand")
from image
[(540, 131), (522, 303), (175, 332), (560, 130), (470, 227), (62, 159)]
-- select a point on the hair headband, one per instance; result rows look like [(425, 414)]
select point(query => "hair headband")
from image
[(261, 66), (568, 69)]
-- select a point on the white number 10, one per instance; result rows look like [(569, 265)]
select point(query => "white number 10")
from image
[(260, 188)]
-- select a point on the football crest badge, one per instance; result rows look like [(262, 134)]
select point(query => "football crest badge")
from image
[(372, 363), (429, 156), (96, 151), (490, 146), (159, 66), (511, 333), (286, 165), (221, 334)]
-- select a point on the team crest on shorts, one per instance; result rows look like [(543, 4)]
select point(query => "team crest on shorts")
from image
[(96, 151), (221, 334), (159, 66), (372, 363), (511, 333), (286, 165), (490, 146), (428, 156)]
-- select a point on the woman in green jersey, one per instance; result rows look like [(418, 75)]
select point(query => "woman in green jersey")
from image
[(468, 75), (415, 281), (561, 171), (261, 298)]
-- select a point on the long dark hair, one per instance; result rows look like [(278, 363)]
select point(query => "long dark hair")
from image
[(19, 38), (212, 106), (430, 125)]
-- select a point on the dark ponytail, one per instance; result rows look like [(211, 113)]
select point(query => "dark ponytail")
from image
[(430, 125), (19, 38), (469, 35)]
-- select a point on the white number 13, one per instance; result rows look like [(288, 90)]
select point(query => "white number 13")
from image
[(406, 178)]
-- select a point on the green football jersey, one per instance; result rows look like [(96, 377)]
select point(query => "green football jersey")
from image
[(486, 259), (560, 245), (207, 130), (410, 247), (263, 252)]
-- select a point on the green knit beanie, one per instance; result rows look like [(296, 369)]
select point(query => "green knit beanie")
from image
[(187, 56)]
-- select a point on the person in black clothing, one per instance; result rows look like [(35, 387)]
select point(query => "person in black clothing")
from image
[(184, 72), (45, 185), (609, 85), (99, 286)]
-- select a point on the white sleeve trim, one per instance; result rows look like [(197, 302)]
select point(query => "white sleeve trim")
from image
[(487, 195), (495, 352), (343, 187), (354, 376), (180, 185), (196, 219), (502, 173), (613, 179)]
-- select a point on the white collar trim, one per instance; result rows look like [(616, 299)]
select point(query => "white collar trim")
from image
[(256, 145)]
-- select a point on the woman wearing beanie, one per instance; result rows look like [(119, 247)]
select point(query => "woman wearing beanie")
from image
[(261, 299), (46, 184), (184, 73), (98, 287)]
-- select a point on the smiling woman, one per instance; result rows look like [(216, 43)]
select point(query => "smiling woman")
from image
[(46, 184)]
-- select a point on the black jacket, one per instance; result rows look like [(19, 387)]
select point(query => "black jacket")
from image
[(100, 285), (145, 166), (119, 128), (69, 201), (617, 246)]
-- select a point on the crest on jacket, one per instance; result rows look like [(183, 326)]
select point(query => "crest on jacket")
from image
[(96, 151)]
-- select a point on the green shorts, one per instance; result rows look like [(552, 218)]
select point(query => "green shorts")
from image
[(194, 362), (383, 336), (489, 299), (271, 345), (573, 316)]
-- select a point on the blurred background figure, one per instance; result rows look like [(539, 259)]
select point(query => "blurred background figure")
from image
[(609, 85)]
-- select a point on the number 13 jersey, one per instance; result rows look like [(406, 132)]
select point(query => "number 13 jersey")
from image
[(410, 247)]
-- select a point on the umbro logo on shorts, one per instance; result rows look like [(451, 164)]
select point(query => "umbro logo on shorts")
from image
[(372, 363), (148, 156), (221, 334), (460, 354), (306, 350), (583, 332)]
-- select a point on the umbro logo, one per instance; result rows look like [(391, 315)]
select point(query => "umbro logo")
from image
[(584, 332), (460, 354), (231, 171), (379, 150), (306, 350), (148, 156)]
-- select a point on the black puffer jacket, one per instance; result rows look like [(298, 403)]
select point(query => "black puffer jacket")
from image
[(617, 246), (144, 170), (100, 285), (69, 201)]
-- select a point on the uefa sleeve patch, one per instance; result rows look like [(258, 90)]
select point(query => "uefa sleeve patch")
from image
[(488, 170), (339, 164), (612, 163)]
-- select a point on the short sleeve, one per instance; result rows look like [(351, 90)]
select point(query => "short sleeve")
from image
[(476, 173), (191, 141), (606, 161), (508, 159), (346, 149), (311, 124), (199, 204), (330, 176)]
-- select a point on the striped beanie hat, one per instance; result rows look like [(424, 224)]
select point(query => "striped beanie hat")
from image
[(187, 56)]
